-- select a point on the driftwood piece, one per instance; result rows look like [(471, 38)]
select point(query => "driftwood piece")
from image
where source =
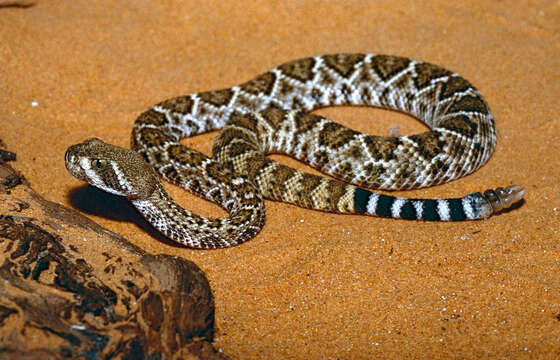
[(72, 289)]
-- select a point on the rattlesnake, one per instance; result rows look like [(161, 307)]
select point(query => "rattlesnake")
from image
[(270, 114)]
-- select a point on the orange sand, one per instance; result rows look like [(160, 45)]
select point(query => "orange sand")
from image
[(316, 285)]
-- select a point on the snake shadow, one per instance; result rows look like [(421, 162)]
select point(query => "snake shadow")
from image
[(91, 200)]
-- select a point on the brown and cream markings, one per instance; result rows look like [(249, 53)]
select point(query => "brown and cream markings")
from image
[(270, 114)]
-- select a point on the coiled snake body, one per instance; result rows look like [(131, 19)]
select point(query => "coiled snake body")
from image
[(270, 114)]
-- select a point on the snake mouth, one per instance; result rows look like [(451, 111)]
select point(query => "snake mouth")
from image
[(70, 160), (66, 158), (72, 164)]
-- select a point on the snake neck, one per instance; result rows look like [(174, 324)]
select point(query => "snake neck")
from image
[(197, 231)]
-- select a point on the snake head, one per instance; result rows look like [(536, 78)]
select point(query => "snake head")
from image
[(111, 168)]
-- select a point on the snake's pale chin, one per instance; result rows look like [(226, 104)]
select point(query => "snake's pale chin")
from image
[(269, 114)]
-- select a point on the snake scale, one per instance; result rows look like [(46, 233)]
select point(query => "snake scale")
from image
[(270, 114)]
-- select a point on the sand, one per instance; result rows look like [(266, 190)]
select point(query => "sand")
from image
[(311, 284)]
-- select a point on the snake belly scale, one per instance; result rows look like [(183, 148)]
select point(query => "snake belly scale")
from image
[(270, 114)]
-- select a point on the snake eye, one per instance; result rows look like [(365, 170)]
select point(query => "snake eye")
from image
[(98, 163)]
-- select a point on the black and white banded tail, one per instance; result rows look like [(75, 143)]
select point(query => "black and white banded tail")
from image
[(471, 207)]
